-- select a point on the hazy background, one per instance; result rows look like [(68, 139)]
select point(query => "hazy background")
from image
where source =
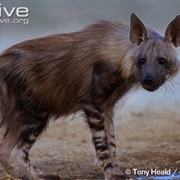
[(53, 16)]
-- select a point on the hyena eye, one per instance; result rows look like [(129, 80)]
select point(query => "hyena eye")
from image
[(162, 61), (141, 61)]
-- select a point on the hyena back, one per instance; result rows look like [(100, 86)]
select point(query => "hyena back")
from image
[(87, 71)]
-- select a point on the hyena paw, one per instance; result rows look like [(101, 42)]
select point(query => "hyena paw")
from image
[(113, 172), (24, 177), (49, 177)]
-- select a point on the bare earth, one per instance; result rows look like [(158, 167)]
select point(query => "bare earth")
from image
[(145, 139)]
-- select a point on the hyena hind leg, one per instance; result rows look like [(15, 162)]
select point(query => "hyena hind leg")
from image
[(21, 153), (9, 141)]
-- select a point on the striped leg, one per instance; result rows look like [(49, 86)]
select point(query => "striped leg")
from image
[(110, 133), (96, 120), (32, 125), (37, 119), (21, 155), (10, 140)]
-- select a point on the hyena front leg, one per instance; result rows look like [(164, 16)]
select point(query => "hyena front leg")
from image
[(110, 132), (96, 120)]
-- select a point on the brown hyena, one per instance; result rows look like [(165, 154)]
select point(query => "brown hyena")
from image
[(87, 71)]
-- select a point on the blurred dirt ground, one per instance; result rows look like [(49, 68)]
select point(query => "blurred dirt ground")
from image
[(146, 139)]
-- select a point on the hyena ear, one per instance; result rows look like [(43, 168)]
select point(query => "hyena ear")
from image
[(138, 32), (172, 33)]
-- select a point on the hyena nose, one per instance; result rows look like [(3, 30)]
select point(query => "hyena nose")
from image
[(148, 80)]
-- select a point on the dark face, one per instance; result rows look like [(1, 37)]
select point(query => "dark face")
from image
[(156, 61)]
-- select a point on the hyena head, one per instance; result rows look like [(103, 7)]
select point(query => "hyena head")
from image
[(156, 57)]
